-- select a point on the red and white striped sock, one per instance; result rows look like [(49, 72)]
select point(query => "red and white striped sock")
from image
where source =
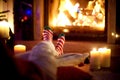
[(47, 34), (60, 44)]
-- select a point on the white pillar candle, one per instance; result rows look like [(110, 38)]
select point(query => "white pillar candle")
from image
[(94, 60), (105, 57), (19, 48), (4, 29)]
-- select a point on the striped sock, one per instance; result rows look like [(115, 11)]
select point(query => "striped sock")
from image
[(47, 34), (60, 43)]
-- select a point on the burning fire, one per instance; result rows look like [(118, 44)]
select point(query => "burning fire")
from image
[(74, 15)]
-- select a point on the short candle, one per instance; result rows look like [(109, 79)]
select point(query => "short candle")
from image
[(94, 60), (19, 48), (105, 57)]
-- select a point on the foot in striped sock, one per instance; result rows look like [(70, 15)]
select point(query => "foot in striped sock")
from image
[(60, 44), (47, 34)]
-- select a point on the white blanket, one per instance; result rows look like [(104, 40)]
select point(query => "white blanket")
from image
[(44, 55)]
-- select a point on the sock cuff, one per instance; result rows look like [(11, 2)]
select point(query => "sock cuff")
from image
[(62, 34), (47, 28)]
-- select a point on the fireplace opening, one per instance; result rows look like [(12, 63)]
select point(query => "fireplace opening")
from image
[(78, 19)]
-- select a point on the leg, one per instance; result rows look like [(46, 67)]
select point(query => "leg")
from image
[(47, 34), (60, 43)]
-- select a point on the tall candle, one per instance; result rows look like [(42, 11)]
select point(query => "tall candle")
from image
[(4, 29), (105, 57), (19, 48), (94, 60)]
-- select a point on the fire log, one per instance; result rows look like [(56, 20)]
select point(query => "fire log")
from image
[(69, 16)]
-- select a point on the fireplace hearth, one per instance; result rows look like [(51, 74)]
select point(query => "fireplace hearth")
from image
[(83, 33)]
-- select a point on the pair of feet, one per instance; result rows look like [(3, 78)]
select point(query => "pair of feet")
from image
[(48, 36)]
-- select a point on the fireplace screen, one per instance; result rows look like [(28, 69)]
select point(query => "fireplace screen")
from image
[(85, 14)]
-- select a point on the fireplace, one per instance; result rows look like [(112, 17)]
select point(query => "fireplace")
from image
[(45, 12), (78, 19)]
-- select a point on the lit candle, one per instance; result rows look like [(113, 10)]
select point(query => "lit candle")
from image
[(94, 59), (105, 57), (19, 48), (4, 29)]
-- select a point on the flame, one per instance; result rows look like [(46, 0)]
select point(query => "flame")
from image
[(61, 20), (73, 15)]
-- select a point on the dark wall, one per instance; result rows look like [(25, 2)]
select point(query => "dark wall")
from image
[(23, 19), (117, 16)]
